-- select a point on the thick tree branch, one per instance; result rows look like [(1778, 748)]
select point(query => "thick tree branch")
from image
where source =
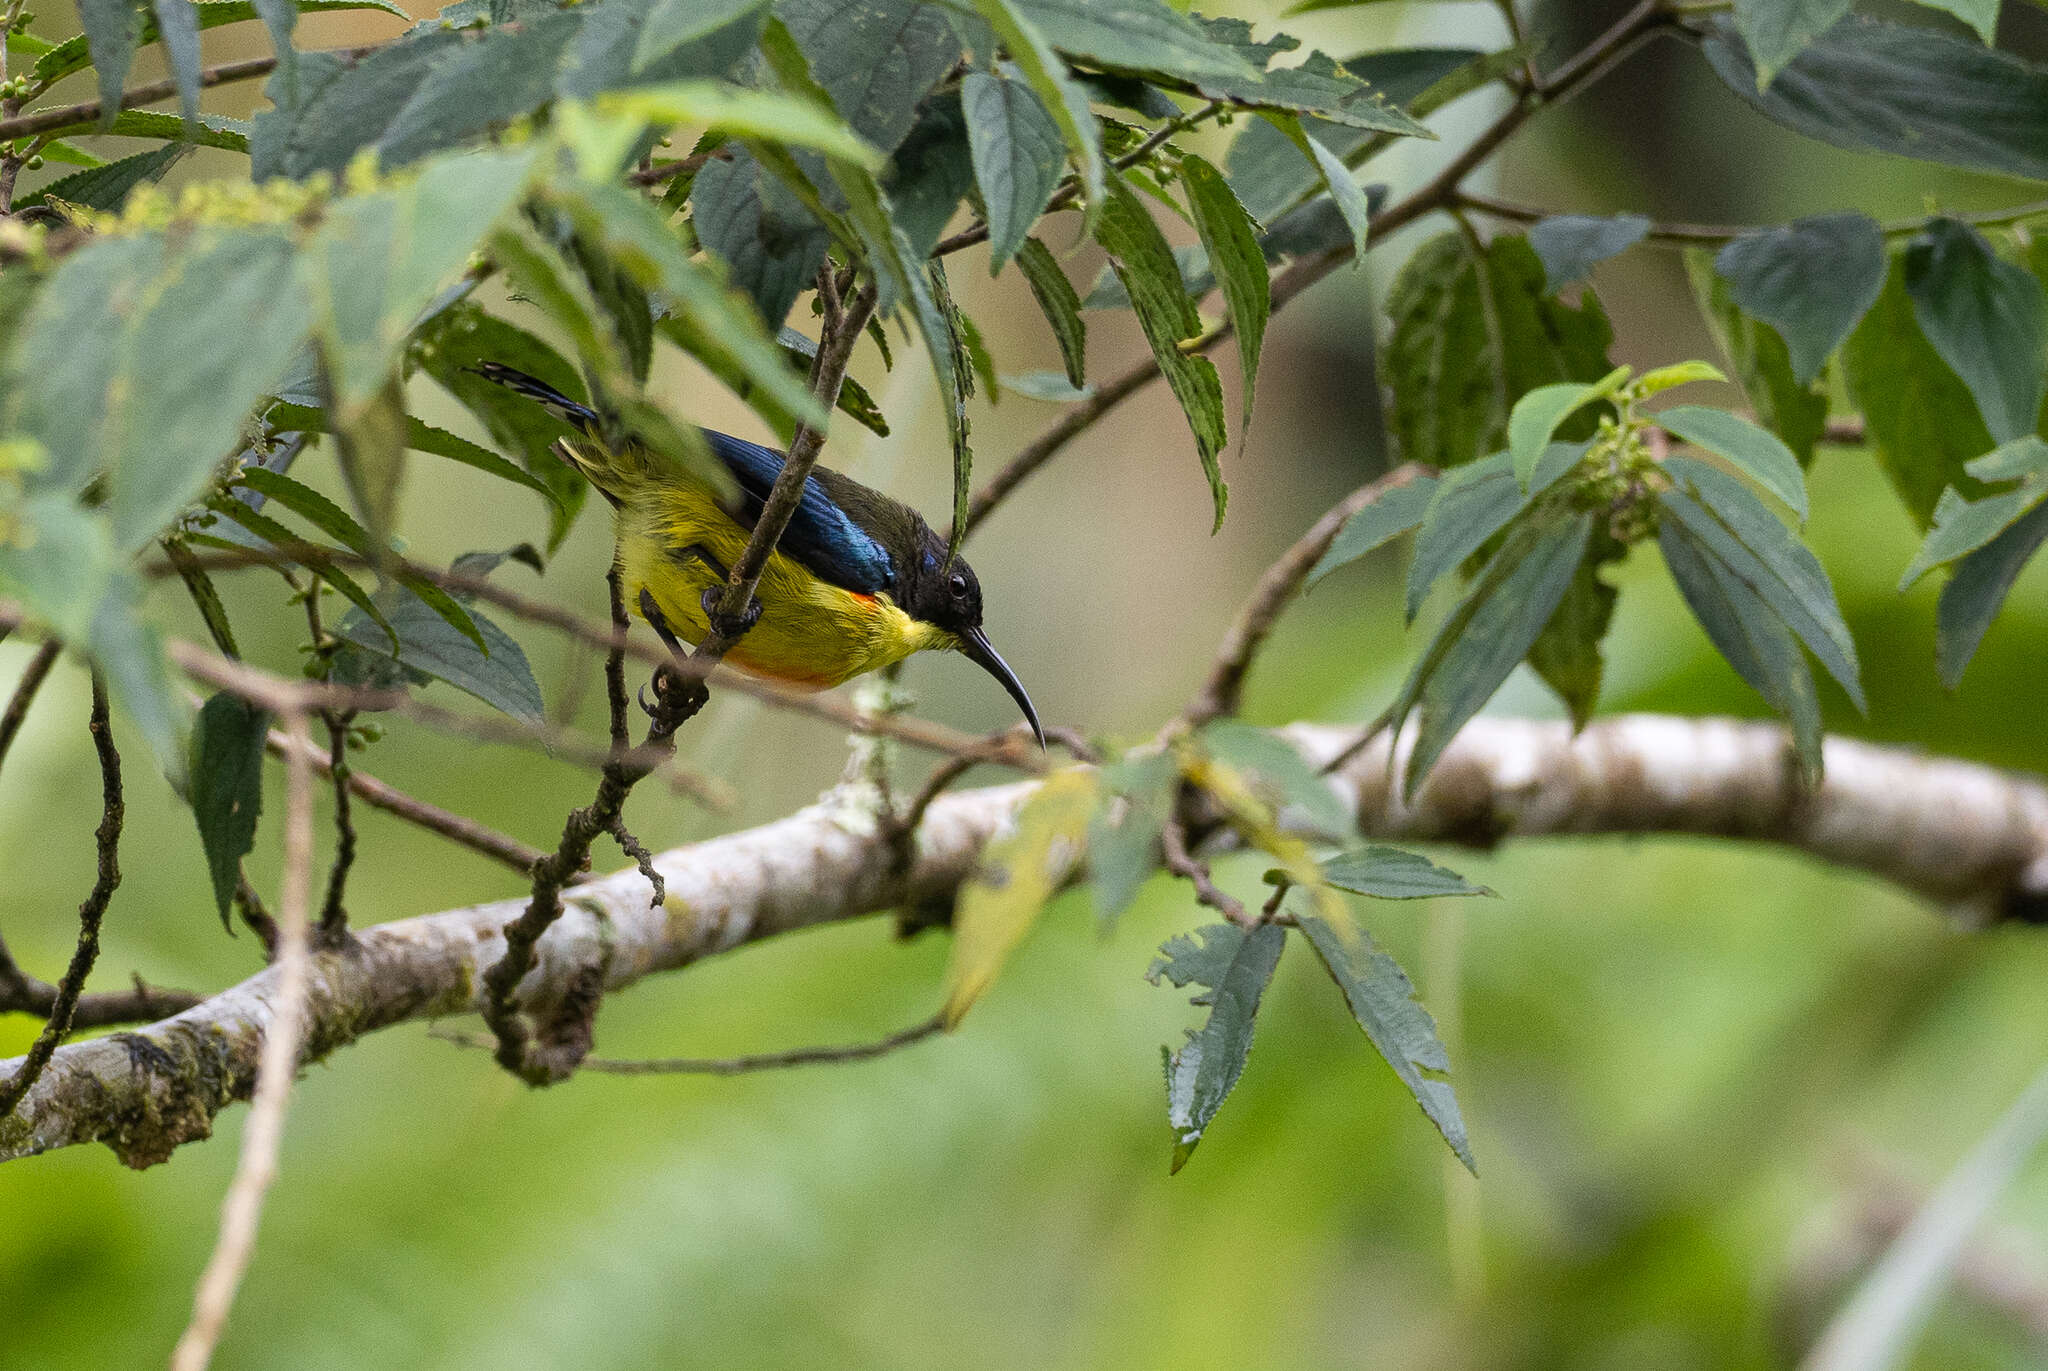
[(1964, 835)]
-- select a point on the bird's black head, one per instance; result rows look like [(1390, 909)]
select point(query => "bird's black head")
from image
[(948, 597)]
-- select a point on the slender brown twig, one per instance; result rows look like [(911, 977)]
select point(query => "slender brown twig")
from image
[(21, 993), (257, 1165), (668, 171), (739, 1066), (1666, 231), (32, 677), (333, 911), (88, 111), (456, 828), (1224, 688), (1173, 848), (107, 837)]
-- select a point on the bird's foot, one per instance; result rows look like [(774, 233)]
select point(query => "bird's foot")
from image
[(729, 627)]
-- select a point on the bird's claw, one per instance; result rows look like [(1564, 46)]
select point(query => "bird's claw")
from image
[(725, 626)]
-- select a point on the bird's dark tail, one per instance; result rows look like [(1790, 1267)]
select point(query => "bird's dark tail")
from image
[(558, 404)]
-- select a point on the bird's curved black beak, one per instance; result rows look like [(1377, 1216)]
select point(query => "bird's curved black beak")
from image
[(975, 646)]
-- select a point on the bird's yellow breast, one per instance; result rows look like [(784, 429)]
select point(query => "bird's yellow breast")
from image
[(811, 633)]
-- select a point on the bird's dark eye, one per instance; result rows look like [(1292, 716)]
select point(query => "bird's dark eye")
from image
[(958, 583)]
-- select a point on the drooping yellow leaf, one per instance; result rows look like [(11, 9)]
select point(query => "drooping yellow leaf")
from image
[(1019, 872)]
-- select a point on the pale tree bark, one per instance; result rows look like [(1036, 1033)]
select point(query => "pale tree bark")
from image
[(1968, 837)]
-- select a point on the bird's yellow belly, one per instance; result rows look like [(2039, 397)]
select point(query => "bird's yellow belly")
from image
[(811, 633)]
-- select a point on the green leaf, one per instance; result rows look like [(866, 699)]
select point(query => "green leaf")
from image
[(876, 60), (342, 106), (149, 353), (420, 436), (742, 114), (106, 187), (1017, 874), (1778, 30), (305, 553), (70, 577), (854, 400), (1284, 776), (1313, 84), (495, 672), (949, 339), (1382, 1000), (1138, 37), (332, 520), (635, 234), (1912, 92), (1471, 505), (1388, 873), (208, 131), (1535, 419), (1746, 631), (1060, 306), (1345, 192), (1760, 360), (1018, 157), (1757, 453), (541, 275), (1139, 254), (458, 340), (1962, 526), (1917, 413), (111, 30), (1123, 835), (226, 789), (1059, 95), (1232, 245), (1811, 280), (1472, 329), (672, 23), (1986, 317), (1981, 15), (178, 27), (771, 246), (1201, 1075), (1566, 654), (1571, 245), (1270, 181), (2025, 456), (1050, 387), (369, 440), (1660, 379), (1750, 541), (1396, 511), (1489, 632), (493, 78), (930, 173), (1979, 586), (602, 56), (378, 260)]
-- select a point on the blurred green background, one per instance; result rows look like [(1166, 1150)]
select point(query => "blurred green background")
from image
[(1696, 1073)]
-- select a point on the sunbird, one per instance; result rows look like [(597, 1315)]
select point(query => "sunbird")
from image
[(857, 582)]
